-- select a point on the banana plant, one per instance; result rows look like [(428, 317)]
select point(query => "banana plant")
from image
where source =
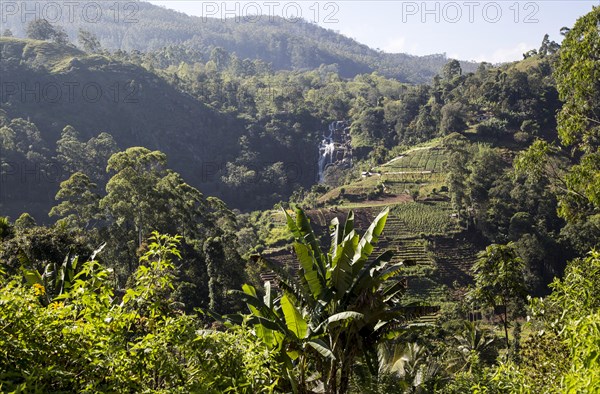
[(337, 308), (472, 342), (281, 324), (56, 279)]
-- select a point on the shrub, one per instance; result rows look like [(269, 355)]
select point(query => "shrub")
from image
[(87, 340), (492, 127)]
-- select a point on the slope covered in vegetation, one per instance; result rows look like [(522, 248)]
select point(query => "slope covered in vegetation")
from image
[(458, 252)]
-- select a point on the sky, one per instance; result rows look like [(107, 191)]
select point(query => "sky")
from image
[(492, 31)]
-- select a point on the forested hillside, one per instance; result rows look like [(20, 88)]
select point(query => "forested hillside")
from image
[(180, 215), (285, 44), (49, 86), (236, 127)]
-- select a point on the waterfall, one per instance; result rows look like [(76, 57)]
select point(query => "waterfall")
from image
[(335, 148), (326, 150)]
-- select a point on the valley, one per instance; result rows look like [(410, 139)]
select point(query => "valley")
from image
[(197, 205)]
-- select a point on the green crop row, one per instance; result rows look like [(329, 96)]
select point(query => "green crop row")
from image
[(426, 218)]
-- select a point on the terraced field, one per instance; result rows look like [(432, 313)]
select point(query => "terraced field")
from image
[(286, 259), (398, 238), (401, 239), (430, 217), (418, 171), (454, 256), (422, 231), (441, 261), (417, 159)]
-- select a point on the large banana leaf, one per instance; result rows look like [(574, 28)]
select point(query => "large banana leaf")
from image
[(287, 282), (338, 234), (267, 299), (249, 289), (49, 276), (66, 273), (337, 318), (341, 316), (24, 259), (322, 348), (368, 241), (392, 271), (341, 265), (349, 224), (293, 318), (314, 280), (32, 276), (266, 323), (303, 233), (367, 277), (394, 291), (267, 330), (255, 304), (95, 252)]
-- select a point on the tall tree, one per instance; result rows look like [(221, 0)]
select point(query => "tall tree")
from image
[(499, 279), (79, 205), (458, 172), (577, 75), (451, 70), (70, 151), (89, 157), (132, 198), (41, 29), (225, 271), (88, 41)]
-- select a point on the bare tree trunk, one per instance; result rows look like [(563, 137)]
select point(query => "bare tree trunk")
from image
[(506, 328), (345, 376), (331, 387)]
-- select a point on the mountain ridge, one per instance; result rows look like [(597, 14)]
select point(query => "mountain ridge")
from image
[(286, 46)]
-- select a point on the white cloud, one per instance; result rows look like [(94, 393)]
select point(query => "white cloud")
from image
[(505, 54), (400, 45), (395, 45)]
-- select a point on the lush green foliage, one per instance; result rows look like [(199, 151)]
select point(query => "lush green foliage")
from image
[(251, 126), (41, 29), (338, 308), (141, 195), (561, 356), (577, 185), (499, 280), (576, 76), (87, 339), (241, 130)]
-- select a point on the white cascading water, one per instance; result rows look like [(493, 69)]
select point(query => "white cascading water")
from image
[(326, 149)]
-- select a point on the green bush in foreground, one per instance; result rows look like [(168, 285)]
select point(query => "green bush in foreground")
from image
[(86, 340), (562, 354)]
